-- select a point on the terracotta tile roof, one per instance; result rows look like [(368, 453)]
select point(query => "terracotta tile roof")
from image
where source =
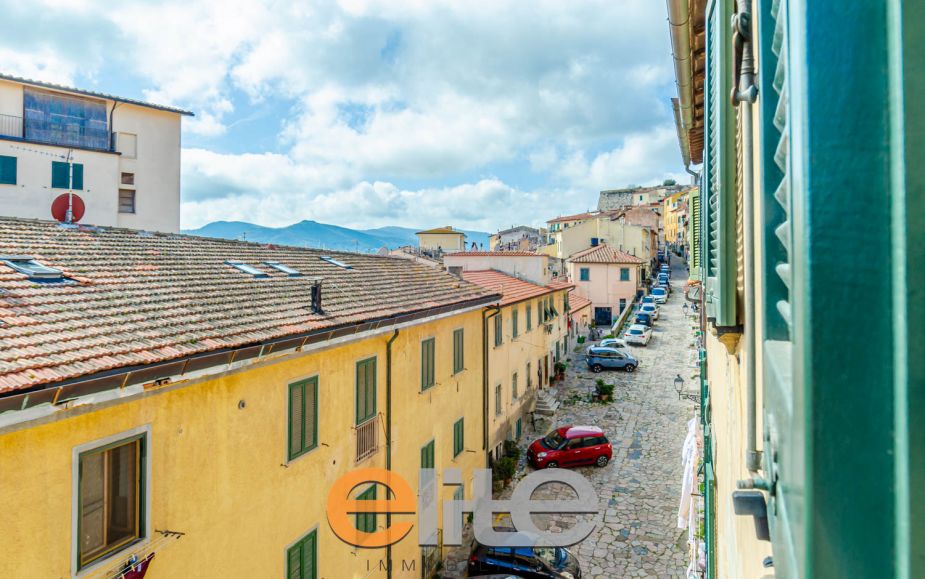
[(512, 289), (137, 298), (576, 217), (446, 229), (558, 284), (577, 302), (603, 254), (496, 254)]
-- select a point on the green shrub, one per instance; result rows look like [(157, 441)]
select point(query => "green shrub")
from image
[(504, 469), (604, 389), (511, 449)]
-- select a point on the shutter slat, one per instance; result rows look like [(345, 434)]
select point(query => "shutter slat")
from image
[(296, 419), (782, 193)]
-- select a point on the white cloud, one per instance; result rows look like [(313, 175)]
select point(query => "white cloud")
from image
[(561, 98)]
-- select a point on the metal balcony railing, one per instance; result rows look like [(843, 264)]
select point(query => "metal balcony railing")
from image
[(367, 438), (10, 126)]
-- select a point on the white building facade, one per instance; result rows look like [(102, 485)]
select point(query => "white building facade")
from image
[(120, 156)]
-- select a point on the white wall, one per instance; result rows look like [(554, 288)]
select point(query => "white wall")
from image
[(156, 168), (531, 268), (604, 287)]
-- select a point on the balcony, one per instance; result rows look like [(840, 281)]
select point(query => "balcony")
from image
[(367, 439), (95, 136)]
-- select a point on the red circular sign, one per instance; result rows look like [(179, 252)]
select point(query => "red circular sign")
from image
[(59, 207)]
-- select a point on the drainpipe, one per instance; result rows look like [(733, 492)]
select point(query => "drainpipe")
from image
[(679, 24), (743, 96), (388, 436), (495, 311)]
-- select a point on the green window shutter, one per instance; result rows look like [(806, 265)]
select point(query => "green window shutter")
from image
[(498, 399), (624, 274), (366, 522), (427, 364), (302, 558), (78, 182), (499, 335), (365, 390), (694, 235), (7, 170), (719, 169), (459, 359), (529, 317), (514, 314), (427, 455), (584, 274), (458, 437), (60, 175), (303, 417)]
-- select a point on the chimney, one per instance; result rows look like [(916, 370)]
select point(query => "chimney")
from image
[(316, 298)]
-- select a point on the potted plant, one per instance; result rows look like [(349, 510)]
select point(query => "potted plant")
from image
[(503, 470), (604, 391), (511, 449), (560, 370)]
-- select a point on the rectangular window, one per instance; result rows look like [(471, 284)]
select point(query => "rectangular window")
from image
[(427, 455), (302, 558), (7, 170), (110, 498), (128, 178), (127, 144), (529, 376), (529, 317), (514, 329), (498, 400), (584, 274), (518, 428), (366, 522), (61, 177), (303, 417), (65, 120), (459, 435), (459, 357), (126, 201), (624, 274), (427, 364), (622, 304), (499, 335), (514, 386), (365, 390)]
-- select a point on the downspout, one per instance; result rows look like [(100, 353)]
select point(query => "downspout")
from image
[(496, 310), (112, 144), (679, 24), (388, 437), (743, 96)]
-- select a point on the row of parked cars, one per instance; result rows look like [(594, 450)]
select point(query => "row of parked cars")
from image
[(614, 353)]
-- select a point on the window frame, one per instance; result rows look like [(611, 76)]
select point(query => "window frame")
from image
[(430, 448), (134, 201), (625, 274), (459, 436), (515, 322), (499, 330), (459, 350), (144, 493), (290, 455), (584, 274)]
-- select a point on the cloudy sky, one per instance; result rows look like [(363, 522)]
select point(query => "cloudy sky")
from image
[(364, 113)]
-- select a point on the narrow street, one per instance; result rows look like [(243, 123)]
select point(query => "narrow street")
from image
[(636, 532)]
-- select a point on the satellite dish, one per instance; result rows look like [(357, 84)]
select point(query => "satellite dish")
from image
[(60, 205)]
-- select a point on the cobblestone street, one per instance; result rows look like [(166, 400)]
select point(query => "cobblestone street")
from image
[(636, 532)]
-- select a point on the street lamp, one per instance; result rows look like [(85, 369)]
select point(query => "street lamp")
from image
[(679, 385)]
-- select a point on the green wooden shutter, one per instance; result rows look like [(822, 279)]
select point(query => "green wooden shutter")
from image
[(7, 170), (296, 419), (302, 558), (499, 335), (529, 317), (719, 169), (459, 344), (427, 455), (695, 235), (366, 522), (365, 390), (78, 182), (310, 428), (427, 363), (458, 437), (514, 322), (60, 175), (294, 561)]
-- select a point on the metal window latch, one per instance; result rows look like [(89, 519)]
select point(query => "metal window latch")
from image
[(753, 503), (743, 64)]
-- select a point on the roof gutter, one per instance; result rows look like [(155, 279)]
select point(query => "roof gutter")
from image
[(679, 24), (207, 363)]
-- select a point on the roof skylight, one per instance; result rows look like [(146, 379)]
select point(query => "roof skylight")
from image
[(249, 269), (336, 262), (291, 272), (28, 266)]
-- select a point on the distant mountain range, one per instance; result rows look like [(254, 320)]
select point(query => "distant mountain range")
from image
[(313, 234)]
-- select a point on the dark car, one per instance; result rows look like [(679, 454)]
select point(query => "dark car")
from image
[(571, 446), (526, 562), (643, 319)]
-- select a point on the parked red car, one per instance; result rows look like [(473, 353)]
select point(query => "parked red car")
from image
[(571, 446)]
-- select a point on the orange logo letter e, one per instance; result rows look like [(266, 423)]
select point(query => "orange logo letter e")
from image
[(340, 507)]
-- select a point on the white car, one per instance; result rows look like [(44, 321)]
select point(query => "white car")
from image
[(660, 294), (638, 334), (650, 309), (613, 343)]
